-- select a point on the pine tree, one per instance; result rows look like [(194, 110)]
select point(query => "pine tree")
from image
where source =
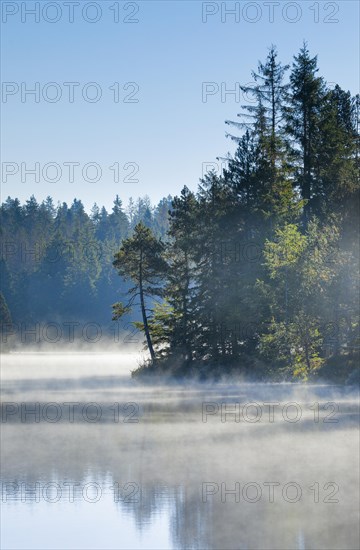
[(303, 117), (181, 287), (140, 259), (118, 222), (271, 94), (95, 214), (336, 169)]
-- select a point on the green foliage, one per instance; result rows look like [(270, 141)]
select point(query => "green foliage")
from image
[(286, 251), (255, 273), (141, 260), (289, 192), (119, 310), (141, 257)]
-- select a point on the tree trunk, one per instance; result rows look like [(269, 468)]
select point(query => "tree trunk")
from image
[(306, 184), (188, 353), (273, 125), (306, 349), (143, 311)]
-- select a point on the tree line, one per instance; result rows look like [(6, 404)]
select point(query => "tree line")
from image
[(259, 270), (56, 261)]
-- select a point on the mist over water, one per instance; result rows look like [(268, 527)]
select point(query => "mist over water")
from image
[(93, 459)]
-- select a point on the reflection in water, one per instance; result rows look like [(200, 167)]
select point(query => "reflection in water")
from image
[(171, 480), (301, 541)]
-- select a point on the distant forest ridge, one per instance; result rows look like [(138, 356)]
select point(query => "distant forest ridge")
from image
[(56, 261)]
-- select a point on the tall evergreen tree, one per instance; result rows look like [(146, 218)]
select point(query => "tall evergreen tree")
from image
[(181, 286), (141, 260), (303, 117)]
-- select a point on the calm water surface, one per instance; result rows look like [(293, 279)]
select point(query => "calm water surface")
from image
[(93, 460)]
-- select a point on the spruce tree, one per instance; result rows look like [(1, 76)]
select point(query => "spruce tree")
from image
[(302, 124)]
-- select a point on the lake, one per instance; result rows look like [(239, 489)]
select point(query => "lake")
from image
[(92, 459)]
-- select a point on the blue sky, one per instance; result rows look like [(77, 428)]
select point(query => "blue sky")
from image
[(167, 135)]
